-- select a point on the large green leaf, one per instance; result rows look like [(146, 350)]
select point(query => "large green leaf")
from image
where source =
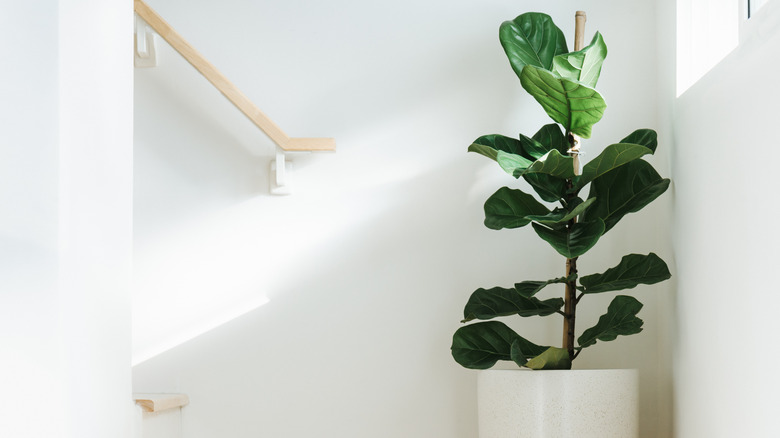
[(624, 190), (499, 301), (507, 208), (548, 187), (530, 288), (645, 137), (533, 148), (551, 137), (552, 163), (620, 319), (531, 39), (553, 358), (480, 345), (512, 164), (516, 354), (489, 145), (561, 216), (572, 104), (583, 65), (633, 270), (572, 244), (612, 157)]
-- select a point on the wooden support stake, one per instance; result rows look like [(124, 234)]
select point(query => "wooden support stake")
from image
[(579, 42), (570, 297), (579, 30)]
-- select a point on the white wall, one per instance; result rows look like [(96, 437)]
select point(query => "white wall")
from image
[(367, 266), (65, 216), (725, 242), (28, 227)]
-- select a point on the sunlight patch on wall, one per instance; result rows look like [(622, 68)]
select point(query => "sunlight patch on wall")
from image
[(221, 266), (171, 336), (707, 31)]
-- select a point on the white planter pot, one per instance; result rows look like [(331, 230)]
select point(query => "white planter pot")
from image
[(558, 403)]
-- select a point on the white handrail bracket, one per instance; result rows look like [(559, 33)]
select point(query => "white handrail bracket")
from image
[(145, 45), (280, 175)]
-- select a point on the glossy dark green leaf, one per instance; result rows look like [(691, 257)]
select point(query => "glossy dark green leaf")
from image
[(551, 137), (532, 148), (560, 216), (480, 345), (548, 187), (489, 145), (531, 39), (553, 358), (583, 65), (512, 163), (620, 319), (624, 190), (530, 288), (507, 208), (612, 157), (575, 243), (516, 354), (499, 301), (552, 163), (574, 105), (633, 270), (645, 137)]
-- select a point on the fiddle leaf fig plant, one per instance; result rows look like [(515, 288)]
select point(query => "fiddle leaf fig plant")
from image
[(617, 181)]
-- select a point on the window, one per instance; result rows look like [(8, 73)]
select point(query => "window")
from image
[(753, 6), (707, 31)]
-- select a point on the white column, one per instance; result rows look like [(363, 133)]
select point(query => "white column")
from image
[(95, 213), (65, 219)]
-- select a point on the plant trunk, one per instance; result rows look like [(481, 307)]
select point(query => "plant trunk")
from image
[(570, 308), (570, 297)]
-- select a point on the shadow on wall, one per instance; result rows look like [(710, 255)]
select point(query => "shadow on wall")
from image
[(366, 266), (356, 338), (211, 244)]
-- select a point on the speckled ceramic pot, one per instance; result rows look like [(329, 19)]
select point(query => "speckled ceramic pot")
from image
[(558, 403)]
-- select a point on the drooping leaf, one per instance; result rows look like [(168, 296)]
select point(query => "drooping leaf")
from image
[(620, 319), (507, 208), (530, 288), (512, 163), (489, 145), (572, 104), (551, 137), (612, 157), (645, 137), (553, 358), (624, 190), (499, 301), (532, 148), (583, 65), (480, 345), (548, 187), (572, 244), (552, 163), (560, 216), (531, 39), (633, 270), (516, 354)]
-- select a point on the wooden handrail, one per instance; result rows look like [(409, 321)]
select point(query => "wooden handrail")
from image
[(230, 91)]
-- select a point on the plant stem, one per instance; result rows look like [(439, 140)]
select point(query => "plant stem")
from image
[(570, 297), (570, 308)]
